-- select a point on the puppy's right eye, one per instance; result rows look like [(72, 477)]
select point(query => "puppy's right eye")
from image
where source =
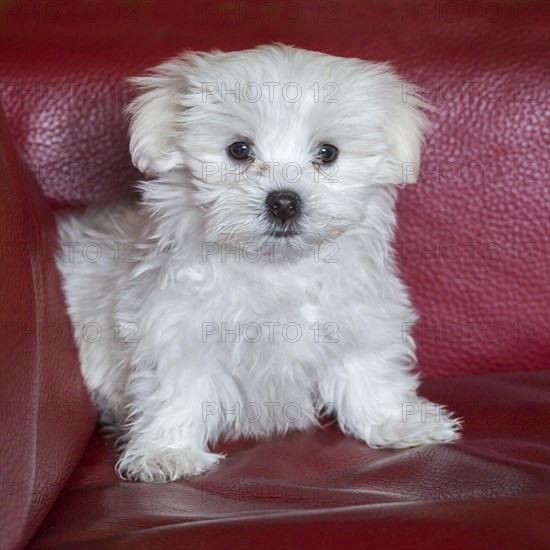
[(327, 153), (239, 150)]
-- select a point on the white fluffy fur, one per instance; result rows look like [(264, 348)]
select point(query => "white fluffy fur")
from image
[(163, 386)]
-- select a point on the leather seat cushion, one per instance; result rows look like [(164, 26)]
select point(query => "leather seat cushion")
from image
[(321, 489)]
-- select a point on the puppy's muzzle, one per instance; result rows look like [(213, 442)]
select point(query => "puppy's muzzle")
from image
[(283, 205)]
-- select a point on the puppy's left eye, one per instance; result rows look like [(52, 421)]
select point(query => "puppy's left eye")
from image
[(239, 150), (326, 153)]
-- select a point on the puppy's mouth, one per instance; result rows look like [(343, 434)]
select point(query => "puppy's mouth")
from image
[(285, 231)]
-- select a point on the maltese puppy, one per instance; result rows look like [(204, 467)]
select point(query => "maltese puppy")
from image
[(253, 288)]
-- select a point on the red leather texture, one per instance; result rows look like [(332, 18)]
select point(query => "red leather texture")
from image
[(473, 247), (473, 240), (323, 490), (46, 415)]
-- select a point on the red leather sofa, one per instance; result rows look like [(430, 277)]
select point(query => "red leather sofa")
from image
[(473, 245)]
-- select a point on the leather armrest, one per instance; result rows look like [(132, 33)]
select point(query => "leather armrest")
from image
[(47, 417)]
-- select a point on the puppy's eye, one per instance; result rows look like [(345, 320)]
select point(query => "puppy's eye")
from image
[(239, 150), (327, 153)]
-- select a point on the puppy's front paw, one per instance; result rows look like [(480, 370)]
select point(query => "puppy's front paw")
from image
[(161, 465), (418, 423)]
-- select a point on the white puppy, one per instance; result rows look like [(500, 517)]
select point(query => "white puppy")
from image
[(254, 287)]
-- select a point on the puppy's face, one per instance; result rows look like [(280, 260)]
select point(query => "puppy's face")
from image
[(277, 143)]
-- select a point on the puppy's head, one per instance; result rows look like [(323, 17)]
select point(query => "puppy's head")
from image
[(274, 143)]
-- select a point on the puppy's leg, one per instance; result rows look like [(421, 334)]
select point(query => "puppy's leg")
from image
[(168, 431), (376, 401), (146, 458)]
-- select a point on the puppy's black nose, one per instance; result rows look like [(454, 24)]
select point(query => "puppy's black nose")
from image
[(283, 205)]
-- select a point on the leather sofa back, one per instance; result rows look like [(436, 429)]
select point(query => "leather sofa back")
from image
[(473, 241)]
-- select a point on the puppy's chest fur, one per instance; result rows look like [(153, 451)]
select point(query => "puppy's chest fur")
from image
[(252, 318), (268, 329)]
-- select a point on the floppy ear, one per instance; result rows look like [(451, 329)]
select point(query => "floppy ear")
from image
[(405, 131), (155, 117)]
